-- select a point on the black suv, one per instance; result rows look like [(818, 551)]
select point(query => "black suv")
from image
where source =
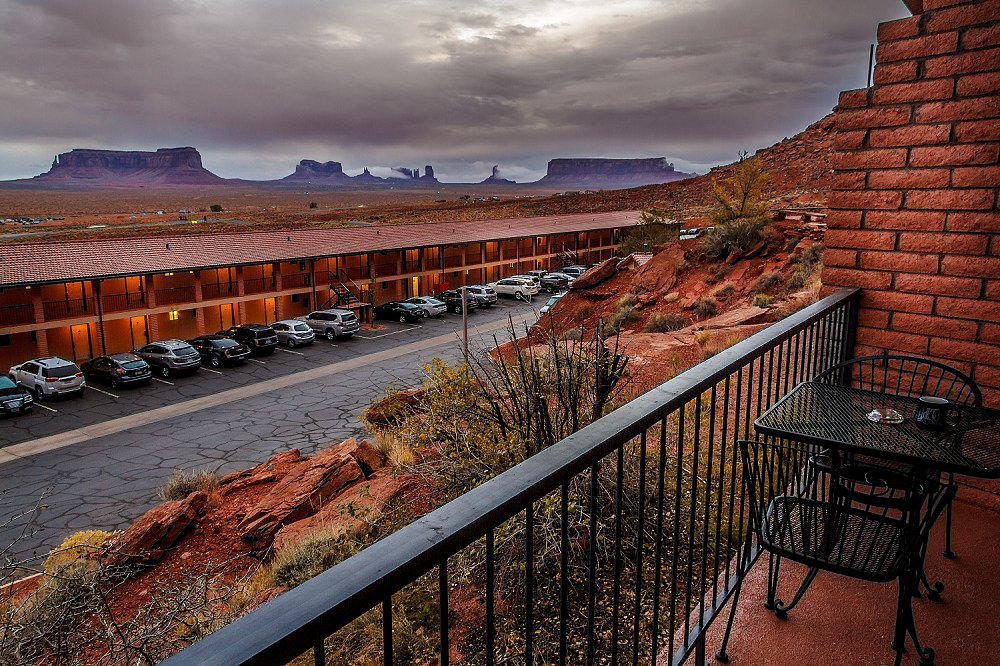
[(400, 311), (118, 370), (259, 338), (551, 282), (217, 350), (453, 299)]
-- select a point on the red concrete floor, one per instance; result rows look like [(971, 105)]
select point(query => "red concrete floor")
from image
[(845, 621)]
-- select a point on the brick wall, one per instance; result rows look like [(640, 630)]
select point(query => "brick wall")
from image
[(914, 213)]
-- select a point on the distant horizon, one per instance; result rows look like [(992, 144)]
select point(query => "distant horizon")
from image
[(258, 87)]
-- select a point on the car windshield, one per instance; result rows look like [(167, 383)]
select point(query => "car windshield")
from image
[(5, 383), (184, 350), (61, 371), (132, 365)]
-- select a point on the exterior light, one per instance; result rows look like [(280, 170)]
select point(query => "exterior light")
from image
[(173, 315)]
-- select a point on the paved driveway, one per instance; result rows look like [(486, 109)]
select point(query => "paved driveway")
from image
[(97, 462)]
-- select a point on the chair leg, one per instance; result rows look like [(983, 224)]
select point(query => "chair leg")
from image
[(781, 608), (905, 624), (899, 632), (948, 552), (721, 655), (773, 568)]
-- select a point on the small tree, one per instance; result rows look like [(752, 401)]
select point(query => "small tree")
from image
[(741, 216), (313, 204), (655, 227), (216, 208)]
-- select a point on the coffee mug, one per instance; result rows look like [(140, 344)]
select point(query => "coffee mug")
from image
[(933, 412)]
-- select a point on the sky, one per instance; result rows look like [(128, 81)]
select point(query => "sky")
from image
[(258, 85)]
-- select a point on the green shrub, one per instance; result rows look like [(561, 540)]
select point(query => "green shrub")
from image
[(717, 273), (706, 306), (583, 311), (181, 484), (768, 282), (664, 323), (796, 281), (313, 204), (621, 317), (725, 291), (297, 562), (762, 300), (792, 242), (216, 208), (74, 548), (740, 234), (814, 254), (627, 301)]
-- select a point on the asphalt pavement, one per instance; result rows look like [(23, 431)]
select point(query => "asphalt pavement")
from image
[(96, 462)]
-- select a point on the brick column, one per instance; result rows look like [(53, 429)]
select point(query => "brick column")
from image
[(41, 335), (199, 312), (152, 325), (279, 301), (241, 307), (914, 217)]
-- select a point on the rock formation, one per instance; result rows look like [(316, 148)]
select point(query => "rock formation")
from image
[(319, 172), (496, 179), (602, 173), (110, 168)]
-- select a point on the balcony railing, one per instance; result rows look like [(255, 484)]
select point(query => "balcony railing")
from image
[(218, 290), (258, 285), (70, 307), (121, 302), (17, 314), (295, 281), (660, 472), (175, 295)]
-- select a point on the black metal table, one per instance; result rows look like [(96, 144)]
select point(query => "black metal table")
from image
[(836, 417)]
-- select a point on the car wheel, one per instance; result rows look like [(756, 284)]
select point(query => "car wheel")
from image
[(164, 371), (291, 343), (215, 361), (114, 383), (39, 394), (425, 314), (403, 319), (518, 296), (331, 334)]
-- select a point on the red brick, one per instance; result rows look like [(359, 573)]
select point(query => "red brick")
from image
[(912, 135), (978, 130), (916, 91), (899, 29), (853, 99), (860, 240), (849, 277), (978, 84), (938, 327), (938, 284), (976, 153), (873, 318), (991, 396), (897, 302), (944, 243), (976, 108), (988, 376), (964, 351), (894, 341), (993, 290), (917, 47), (962, 63), (890, 116), (977, 38), (990, 333), (848, 180), (909, 178), (961, 17), (984, 267), (883, 158), (938, 4), (950, 199), (843, 219), (842, 258), (900, 261), (905, 219), (849, 140), (872, 199), (896, 72), (974, 222), (977, 177)]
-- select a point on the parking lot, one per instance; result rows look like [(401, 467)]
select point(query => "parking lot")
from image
[(96, 461)]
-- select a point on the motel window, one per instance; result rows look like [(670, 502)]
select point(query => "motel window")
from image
[(4, 341), (173, 315)]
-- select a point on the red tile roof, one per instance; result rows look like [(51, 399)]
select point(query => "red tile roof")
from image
[(32, 263)]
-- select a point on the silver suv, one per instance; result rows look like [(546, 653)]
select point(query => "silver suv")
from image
[(48, 377), (334, 323), (486, 296), (170, 357), (293, 333)]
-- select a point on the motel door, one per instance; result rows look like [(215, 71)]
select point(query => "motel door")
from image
[(226, 315), (415, 286), (269, 313), (139, 334), (81, 342)]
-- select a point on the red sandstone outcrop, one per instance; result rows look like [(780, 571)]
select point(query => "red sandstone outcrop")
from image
[(602, 173), (165, 166), (146, 541), (266, 472)]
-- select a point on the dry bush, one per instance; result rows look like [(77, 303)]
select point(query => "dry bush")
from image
[(702, 338), (583, 311), (717, 273), (707, 306), (74, 548), (627, 301), (736, 235), (664, 323), (725, 291), (622, 316), (768, 282), (573, 334), (762, 300), (181, 484)]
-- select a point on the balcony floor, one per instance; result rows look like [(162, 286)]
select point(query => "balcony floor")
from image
[(845, 621)]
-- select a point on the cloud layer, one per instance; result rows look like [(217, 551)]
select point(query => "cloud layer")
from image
[(258, 85)]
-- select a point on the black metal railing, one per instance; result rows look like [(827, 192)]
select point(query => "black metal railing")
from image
[(17, 314), (175, 295), (258, 285), (218, 290), (295, 280), (639, 580), (120, 302), (69, 307)]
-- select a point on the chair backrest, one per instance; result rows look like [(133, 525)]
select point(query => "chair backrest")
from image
[(908, 376)]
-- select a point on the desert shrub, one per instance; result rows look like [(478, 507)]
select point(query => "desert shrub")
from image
[(706, 306), (622, 316), (654, 228), (313, 204), (683, 265), (717, 273), (716, 345), (725, 291), (762, 300), (792, 242), (76, 547), (181, 484), (573, 334), (702, 337), (813, 254), (627, 301), (583, 311), (768, 282), (299, 561), (215, 208), (728, 237), (796, 281), (663, 323)]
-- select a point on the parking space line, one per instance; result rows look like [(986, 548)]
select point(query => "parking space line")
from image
[(289, 351), (253, 360), (162, 381), (37, 404), (94, 388), (210, 370), (402, 330)]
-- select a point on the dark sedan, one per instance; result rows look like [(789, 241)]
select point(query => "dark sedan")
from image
[(551, 282), (14, 399), (258, 338), (453, 299), (217, 350), (126, 369), (400, 311)]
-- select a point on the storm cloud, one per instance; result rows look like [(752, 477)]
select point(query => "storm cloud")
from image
[(257, 86)]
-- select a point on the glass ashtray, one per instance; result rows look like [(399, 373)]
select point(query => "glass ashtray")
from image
[(888, 416)]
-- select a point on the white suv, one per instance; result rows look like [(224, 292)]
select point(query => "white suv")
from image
[(48, 377), (520, 289)]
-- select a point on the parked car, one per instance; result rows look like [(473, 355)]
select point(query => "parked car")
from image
[(549, 303), (551, 282), (432, 307), (573, 271), (217, 350), (453, 299), (536, 273), (48, 377), (401, 311), (125, 369), (520, 289), (259, 338), (14, 399), (484, 295), (169, 358), (334, 323), (533, 279), (292, 333)]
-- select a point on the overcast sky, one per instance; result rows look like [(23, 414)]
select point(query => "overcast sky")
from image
[(256, 86)]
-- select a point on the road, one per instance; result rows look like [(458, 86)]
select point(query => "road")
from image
[(97, 462)]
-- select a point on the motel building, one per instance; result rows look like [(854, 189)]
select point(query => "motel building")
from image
[(82, 299)]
